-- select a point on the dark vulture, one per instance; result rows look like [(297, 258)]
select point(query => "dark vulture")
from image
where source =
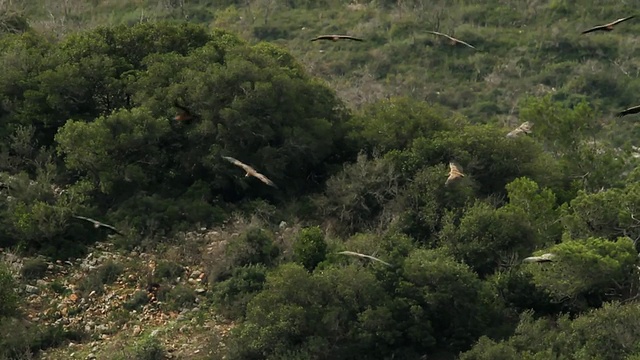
[(250, 171), (609, 26), (98, 224), (629, 111), (336, 38), (454, 41)]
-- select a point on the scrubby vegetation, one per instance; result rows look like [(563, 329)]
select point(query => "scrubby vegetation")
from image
[(358, 137)]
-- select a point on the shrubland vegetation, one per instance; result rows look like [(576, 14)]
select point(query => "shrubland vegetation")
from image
[(358, 137)]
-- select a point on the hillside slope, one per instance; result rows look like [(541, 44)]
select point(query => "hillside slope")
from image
[(523, 47)]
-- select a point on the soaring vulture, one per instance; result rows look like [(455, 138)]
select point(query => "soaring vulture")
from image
[(524, 128), (98, 224), (336, 38), (250, 171), (609, 26), (454, 41), (184, 114), (539, 259), (455, 173), (629, 111), (351, 253)]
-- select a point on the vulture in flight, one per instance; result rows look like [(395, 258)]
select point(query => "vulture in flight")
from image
[(351, 253), (524, 128), (336, 38), (455, 173), (629, 111), (454, 41), (540, 259), (183, 114), (250, 171), (609, 26), (98, 224)]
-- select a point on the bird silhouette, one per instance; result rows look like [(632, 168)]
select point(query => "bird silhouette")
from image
[(540, 259), (184, 114), (455, 173), (250, 171), (352, 253), (97, 224), (524, 128), (336, 38), (629, 111), (609, 26), (454, 41)]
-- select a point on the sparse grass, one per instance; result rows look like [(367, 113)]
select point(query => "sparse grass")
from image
[(105, 274), (167, 270), (177, 298), (57, 287), (136, 301), (33, 269)]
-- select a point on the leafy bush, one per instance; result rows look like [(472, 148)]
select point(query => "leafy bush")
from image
[(8, 296), (179, 297), (149, 348), (310, 248), (167, 270), (232, 295), (254, 246)]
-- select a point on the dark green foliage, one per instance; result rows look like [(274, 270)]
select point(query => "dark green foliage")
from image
[(255, 246), (88, 128), (310, 248), (181, 296), (450, 304), (19, 338), (305, 313), (232, 295), (611, 332), (149, 349), (8, 295), (167, 270)]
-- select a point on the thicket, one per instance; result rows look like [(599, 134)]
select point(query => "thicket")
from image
[(87, 128)]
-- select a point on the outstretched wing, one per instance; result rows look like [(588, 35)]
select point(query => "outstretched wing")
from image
[(334, 37), (86, 218), (631, 110), (352, 253), (455, 172), (239, 163), (542, 258), (112, 228), (264, 179), (350, 38), (595, 28), (608, 26), (99, 224), (324, 37), (524, 128), (621, 20), (452, 38)]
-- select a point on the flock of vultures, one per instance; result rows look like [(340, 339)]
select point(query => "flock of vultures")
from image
[(184, 115)]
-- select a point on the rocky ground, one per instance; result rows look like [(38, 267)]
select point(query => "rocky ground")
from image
[(120, 299)]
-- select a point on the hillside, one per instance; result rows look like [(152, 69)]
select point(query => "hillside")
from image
[(400, 148), (524, 48)]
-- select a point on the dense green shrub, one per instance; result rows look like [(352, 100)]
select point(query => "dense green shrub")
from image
[(309, 247)]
